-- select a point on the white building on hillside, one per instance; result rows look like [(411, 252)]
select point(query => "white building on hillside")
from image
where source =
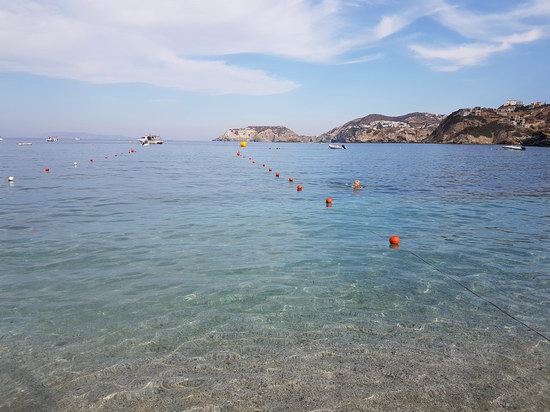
[(513, 103)]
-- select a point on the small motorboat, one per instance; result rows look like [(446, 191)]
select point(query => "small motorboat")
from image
[(336, 146), (51, 139), (25, 144), (514, 147)]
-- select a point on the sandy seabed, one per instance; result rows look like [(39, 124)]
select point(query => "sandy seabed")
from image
[(302, 372)]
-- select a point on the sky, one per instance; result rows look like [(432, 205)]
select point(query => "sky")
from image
[(191, 69)]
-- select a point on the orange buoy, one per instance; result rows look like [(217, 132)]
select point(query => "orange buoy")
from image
[(47, 170), (238, 153), (276, 174), (270, 169), (329, 201), (299, 188), (291, 179), (394, 240)]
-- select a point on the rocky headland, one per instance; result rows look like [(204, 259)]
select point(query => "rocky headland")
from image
[(264, 134), (511, 123)]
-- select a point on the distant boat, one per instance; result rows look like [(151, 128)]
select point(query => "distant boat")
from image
[(51, 139), (150, 139), (336, 146), (77, 138), (514, 147), (25, 144)]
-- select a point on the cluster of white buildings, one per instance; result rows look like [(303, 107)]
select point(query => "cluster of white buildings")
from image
[(509, 106), (380, 124)]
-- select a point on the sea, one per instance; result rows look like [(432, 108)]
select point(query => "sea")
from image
[(188, 277)]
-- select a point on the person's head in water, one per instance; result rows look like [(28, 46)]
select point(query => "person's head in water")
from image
[(356, 184)]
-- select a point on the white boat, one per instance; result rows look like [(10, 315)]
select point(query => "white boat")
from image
[(77, 139), (514, 147), (25, 144), (150, 139), (336, 146), (51, 139)]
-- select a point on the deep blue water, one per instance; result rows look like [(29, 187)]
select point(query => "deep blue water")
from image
[(185, 276)]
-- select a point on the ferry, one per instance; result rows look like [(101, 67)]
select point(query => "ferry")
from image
[(150, 139), (51, 139), (514, 147)]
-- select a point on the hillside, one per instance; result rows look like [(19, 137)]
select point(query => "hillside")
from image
[(509, 124), (377, 128), (263, 134)]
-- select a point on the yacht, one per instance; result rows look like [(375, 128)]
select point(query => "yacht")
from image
[(150, 139), (51, 139)]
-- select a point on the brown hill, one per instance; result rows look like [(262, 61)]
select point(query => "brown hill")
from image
[(509, 124), (377, 128)]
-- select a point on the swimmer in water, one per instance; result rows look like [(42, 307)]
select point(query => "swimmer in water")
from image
[(357, 184)]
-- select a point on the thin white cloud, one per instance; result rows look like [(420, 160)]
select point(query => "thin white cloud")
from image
[(364, 59), (166, 42), (458, 56), (489, 34)]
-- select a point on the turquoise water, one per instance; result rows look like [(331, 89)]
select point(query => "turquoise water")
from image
[(183, 276)]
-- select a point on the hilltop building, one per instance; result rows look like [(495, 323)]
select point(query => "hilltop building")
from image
[(513, 103)]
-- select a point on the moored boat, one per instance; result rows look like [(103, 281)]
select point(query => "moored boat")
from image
[(51, 139), (514, 147), (336, 146), (25, 144), (150, 139)]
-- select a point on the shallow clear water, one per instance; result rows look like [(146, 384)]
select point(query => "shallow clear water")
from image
[(182, 276)]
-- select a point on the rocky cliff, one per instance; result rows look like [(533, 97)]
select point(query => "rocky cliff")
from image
[(509, 124), (377, 128), (263, 134)]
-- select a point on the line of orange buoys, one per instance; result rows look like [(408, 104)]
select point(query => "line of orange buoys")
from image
[(11, 179), (394, 240)]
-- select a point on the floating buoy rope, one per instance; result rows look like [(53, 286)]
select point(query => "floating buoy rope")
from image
[(466, 288), (504, 311), (395, 244)]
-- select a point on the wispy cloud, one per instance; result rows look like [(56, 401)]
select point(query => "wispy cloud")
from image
[(166, 43), (364, 59), (488, 34), (188, 45)]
